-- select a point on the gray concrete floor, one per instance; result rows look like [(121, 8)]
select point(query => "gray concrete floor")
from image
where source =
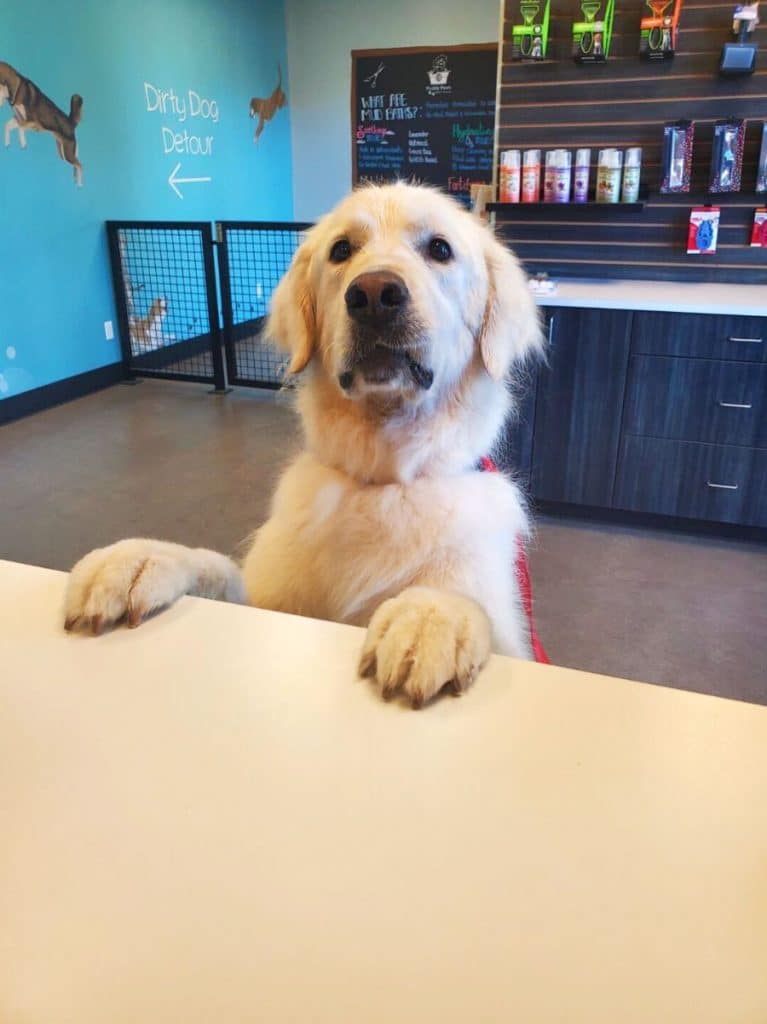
[(169, 460)]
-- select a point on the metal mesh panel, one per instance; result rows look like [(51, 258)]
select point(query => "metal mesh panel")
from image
[(163, 281), (255, 256)]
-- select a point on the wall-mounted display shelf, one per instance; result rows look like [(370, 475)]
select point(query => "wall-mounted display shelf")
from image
[(566, 211)]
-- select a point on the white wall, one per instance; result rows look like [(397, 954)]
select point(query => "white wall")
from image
[(321, 36)]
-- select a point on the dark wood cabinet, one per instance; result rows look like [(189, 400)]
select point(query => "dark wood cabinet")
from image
[(579, 406), (657, 413)]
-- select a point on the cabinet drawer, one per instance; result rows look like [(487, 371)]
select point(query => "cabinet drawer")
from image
[(697, 334), (710, 400), (722, 483)]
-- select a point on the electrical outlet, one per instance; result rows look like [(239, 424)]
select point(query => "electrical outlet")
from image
[(109, 331)]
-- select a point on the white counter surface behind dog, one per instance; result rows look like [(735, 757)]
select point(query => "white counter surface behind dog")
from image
[(211, 819), (661, 296)]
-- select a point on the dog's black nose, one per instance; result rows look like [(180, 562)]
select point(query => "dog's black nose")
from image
[(377, 297)]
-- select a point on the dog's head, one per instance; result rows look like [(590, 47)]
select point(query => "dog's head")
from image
[(400, 291), (402, 304)]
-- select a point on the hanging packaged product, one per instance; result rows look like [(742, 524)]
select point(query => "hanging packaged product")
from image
[(531, 176), (759, 232), (591, 37), (530, 38), (581, 176), (739, 58), (657, 40), (609, 175), (632, 172), (727, 155), (677, 156), (556, 177), (703, 230), (509, 176), (761, 167)]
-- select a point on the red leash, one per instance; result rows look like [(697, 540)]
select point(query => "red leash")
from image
[(522, 569)]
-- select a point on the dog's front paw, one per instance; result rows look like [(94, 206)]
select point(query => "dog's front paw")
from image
[(423, 640), (127, 580)]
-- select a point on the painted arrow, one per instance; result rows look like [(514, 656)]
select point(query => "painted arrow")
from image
[(175, 181)]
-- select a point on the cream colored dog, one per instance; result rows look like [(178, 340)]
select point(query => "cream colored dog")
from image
[(405, 316)]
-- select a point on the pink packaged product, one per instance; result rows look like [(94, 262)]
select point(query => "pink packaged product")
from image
[(703, 231), (759, 232), (727, 155), (677, 156), (761, 167)]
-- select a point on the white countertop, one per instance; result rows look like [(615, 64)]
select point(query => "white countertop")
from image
[(672, 297), (211, 819)]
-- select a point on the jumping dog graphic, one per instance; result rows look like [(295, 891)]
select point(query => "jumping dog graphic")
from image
[(34, 112), (265, 109)]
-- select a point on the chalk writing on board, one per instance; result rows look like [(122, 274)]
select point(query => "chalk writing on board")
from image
[(427, 114)]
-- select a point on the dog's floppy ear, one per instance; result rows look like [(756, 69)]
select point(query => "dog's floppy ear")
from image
[(511, 327), (292, 321)]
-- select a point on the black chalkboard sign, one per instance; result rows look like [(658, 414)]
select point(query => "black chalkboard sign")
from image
[(426, 114)]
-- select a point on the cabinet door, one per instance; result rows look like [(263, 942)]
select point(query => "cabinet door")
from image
[(579, 406)]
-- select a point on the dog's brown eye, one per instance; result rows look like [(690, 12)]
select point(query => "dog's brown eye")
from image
[(341, 251), (439, 250)]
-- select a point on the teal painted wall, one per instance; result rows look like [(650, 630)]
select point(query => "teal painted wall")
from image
[(55, 289), (321, 37)]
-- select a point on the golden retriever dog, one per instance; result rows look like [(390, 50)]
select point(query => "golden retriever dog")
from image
[(404, 317)]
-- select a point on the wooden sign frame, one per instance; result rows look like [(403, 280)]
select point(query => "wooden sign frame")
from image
[(490, 47)]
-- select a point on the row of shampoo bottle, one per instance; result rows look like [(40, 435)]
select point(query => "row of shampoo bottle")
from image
[(520, 176)]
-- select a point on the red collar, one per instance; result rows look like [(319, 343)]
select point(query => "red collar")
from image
[(522, 569)]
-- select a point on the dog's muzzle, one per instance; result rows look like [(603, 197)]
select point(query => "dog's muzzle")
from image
[(382, 364), (378, 304)]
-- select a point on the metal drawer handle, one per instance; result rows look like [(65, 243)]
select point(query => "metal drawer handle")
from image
[(735, 405), (748, 341), (722, 487)]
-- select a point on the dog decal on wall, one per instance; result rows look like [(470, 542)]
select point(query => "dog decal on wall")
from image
[(265, 109), (34, 112)]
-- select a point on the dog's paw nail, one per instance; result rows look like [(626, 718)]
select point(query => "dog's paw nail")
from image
[(416, 701), (367, 666), (135, 615), (71, 622), (97, 625)]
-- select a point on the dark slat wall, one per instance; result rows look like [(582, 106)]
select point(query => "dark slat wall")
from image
[(625, 102)]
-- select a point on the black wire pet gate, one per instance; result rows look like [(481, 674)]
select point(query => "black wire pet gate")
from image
[(166, 277), (252, 257)]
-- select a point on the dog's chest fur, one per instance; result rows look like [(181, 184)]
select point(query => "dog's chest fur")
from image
[(334, 548)]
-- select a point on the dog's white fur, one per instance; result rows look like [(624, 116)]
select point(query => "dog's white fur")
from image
[(383, 521)]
